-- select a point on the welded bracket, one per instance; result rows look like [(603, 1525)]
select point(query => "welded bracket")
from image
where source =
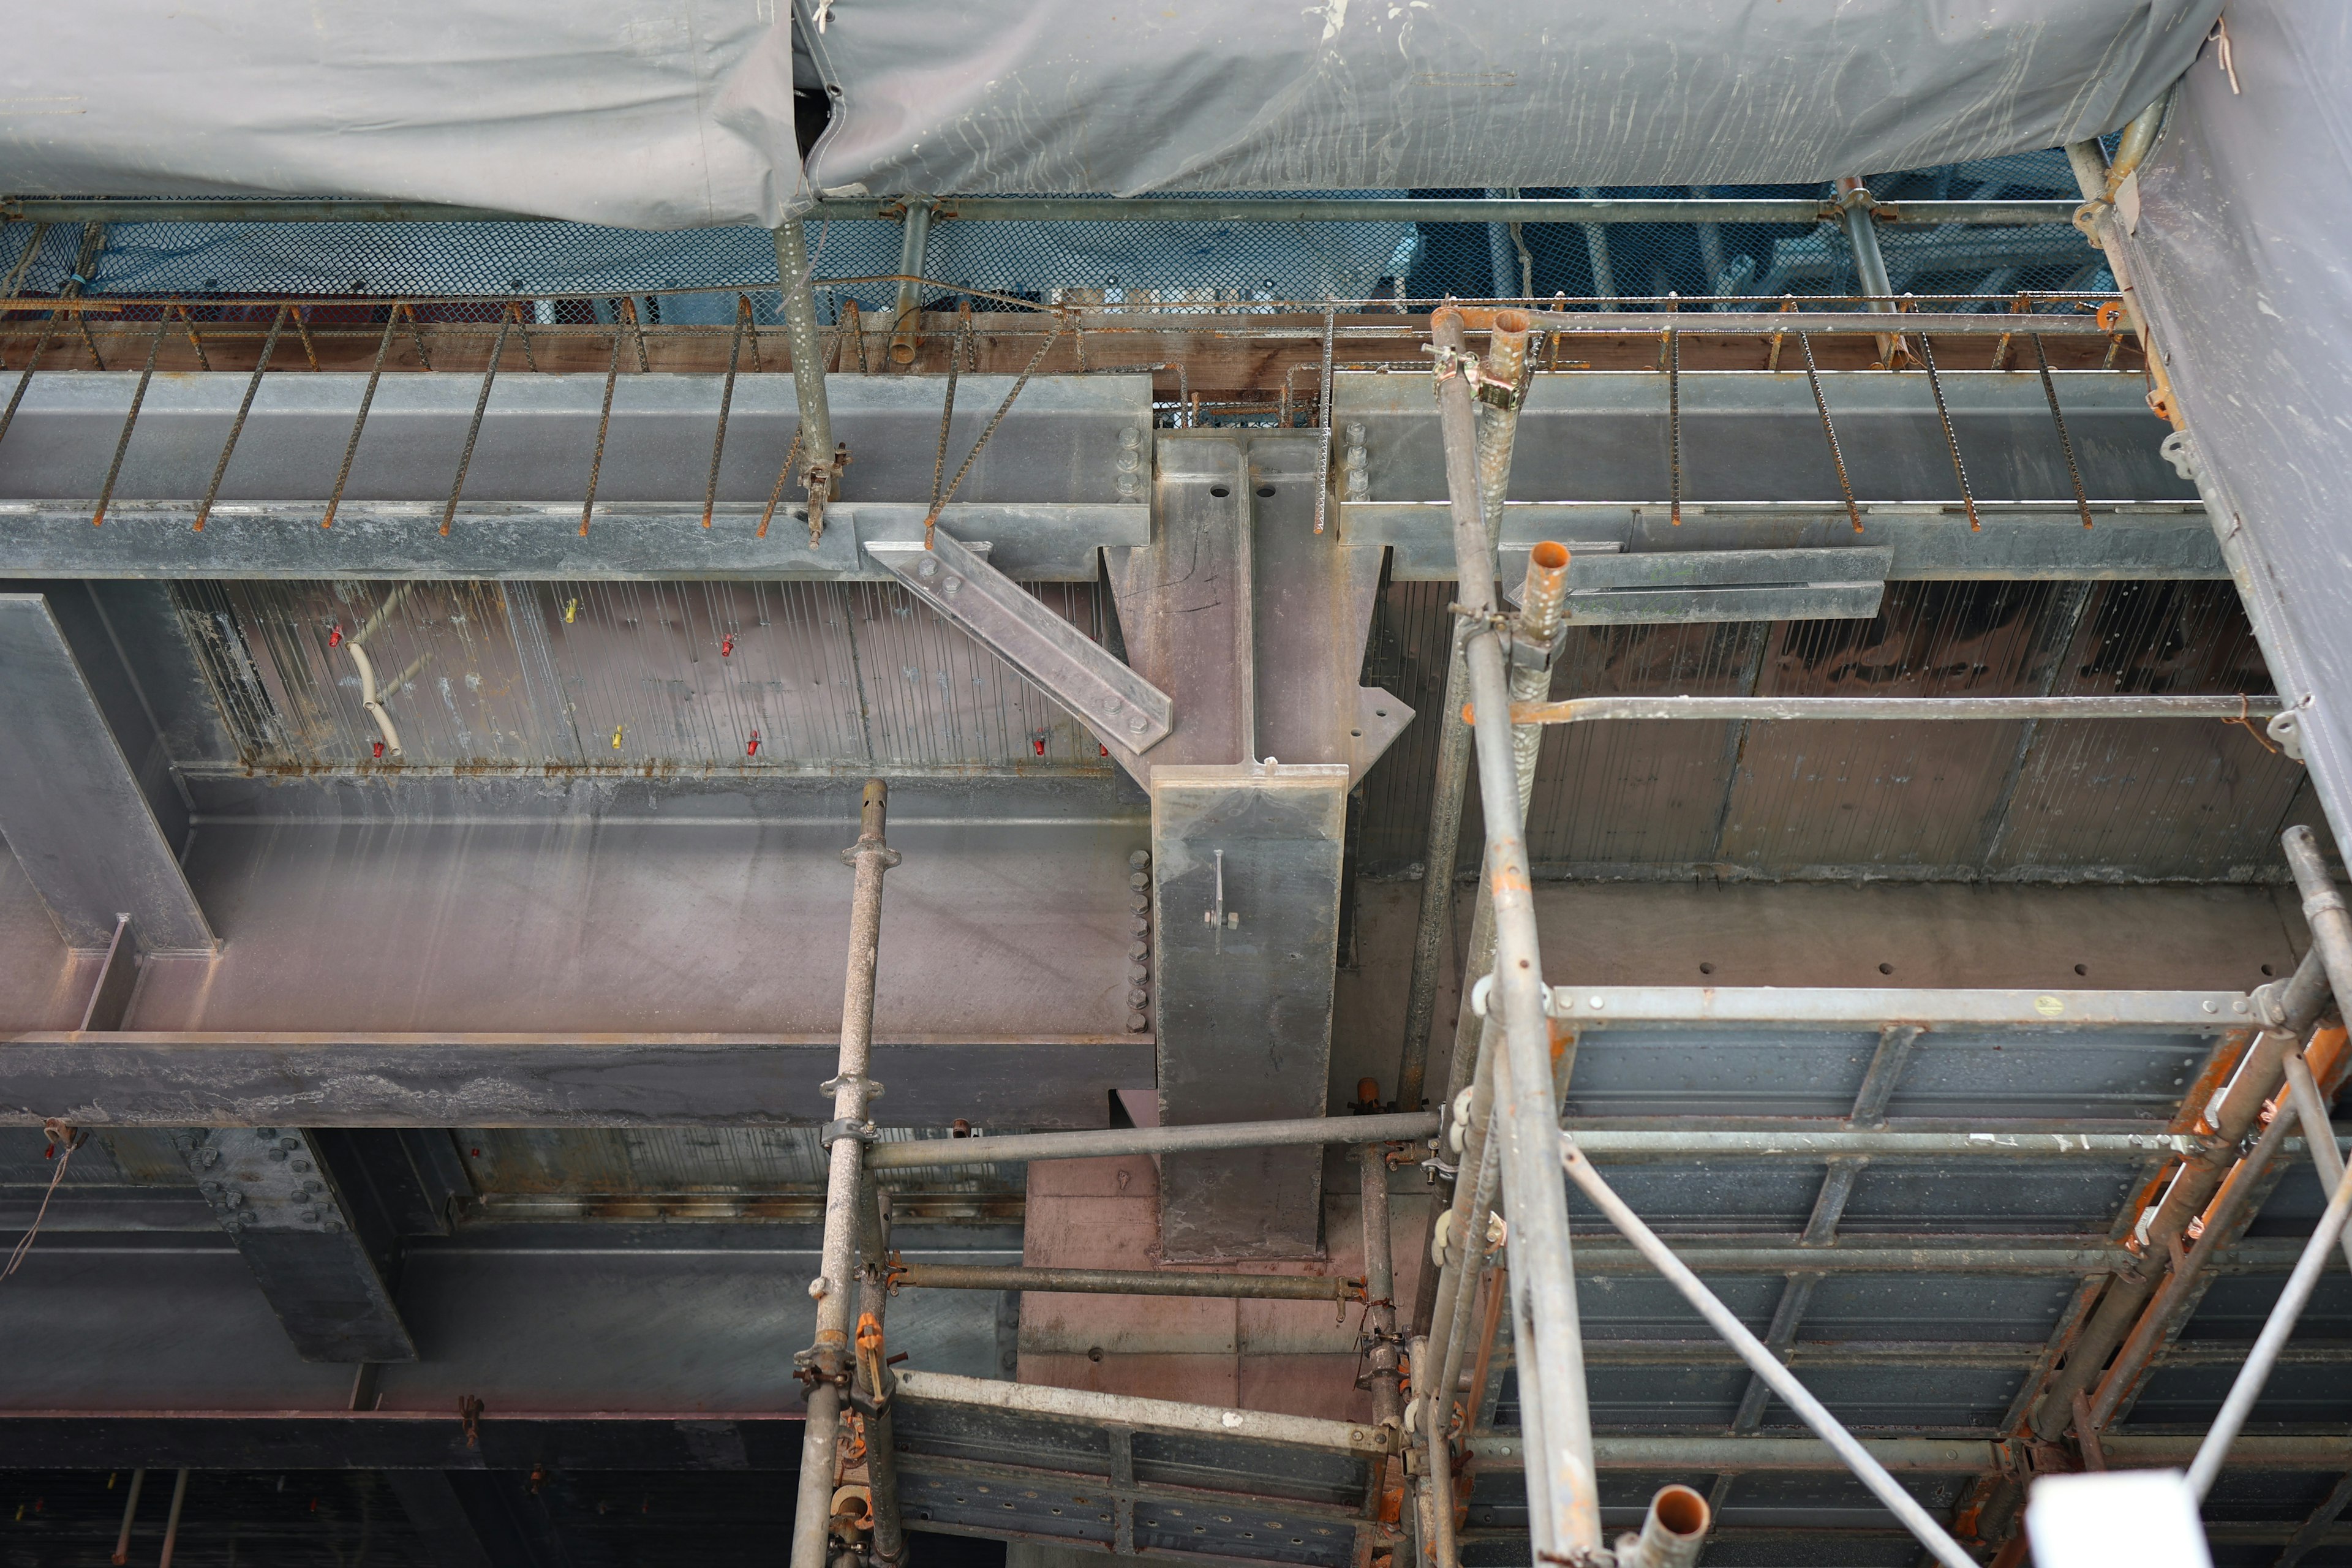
[(954, 579)]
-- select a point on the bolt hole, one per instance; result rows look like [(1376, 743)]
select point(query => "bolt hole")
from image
[(2268, 971), (1706, 969), (1886, 969), (1356, 734), (1266, 492), (2081, 969), (1093, 1353), (1221, 491)]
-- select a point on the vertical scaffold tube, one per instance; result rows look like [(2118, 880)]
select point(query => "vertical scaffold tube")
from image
[(828, 1360), (795, 280), (1564, 1508)]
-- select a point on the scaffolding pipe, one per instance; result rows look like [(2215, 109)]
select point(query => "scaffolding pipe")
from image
[(1497, 428), (2272, 1340), (1855, 210), (2131, 1315), (1563, 1505), (931, 1153), (1818, 323), (1466, 1262), (2099, 180), (1673, 1535), (799, 297), (1379, 1325), (1764, 1363), (1581, 710), (1431, 934), (875, 1381), (1437, 1467), (914, 239), (2323, 908), (1127, 1282), (828, 1359)]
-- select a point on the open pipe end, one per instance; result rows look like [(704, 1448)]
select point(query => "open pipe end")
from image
[(1680, 1511), (1673, 1535), (1543, 596)]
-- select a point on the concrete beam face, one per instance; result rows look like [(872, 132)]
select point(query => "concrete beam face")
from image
[(70, 805), (1246, 909)]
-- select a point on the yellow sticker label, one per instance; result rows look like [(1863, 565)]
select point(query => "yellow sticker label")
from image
[(2048, 1006)]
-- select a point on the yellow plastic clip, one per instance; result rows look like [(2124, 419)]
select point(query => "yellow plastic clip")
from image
[(570, 610), (616, 737)]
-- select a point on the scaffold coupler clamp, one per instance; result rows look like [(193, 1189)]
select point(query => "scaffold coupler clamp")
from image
[(872, 1088), (847, 1127)]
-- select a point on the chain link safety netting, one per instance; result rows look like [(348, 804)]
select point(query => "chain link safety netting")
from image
[(577, 272)]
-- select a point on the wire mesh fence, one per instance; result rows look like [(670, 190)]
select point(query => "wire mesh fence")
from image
[(575, 271)]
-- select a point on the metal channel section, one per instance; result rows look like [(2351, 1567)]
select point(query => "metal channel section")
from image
[(957, 581)]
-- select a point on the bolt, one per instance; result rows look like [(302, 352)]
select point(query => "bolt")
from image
[(950, 586), (1135, 1022), (1112, 704), (1139, 859), (927, 569), (1131, 436), (1135, 724), (820, 1288), (1355, 435)]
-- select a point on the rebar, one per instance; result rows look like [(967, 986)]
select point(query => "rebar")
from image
[(122, 443), (244, 408), (130, 1512), (367, 401), (1582, 710)]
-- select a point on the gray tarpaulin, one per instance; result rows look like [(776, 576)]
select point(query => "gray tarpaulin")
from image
[(667, 113), (2240, 253)]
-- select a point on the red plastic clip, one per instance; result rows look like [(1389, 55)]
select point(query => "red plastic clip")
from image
[(335, 637), (1038, 742), (379, 748), (727, 644), (753, 748), (1103, 750)]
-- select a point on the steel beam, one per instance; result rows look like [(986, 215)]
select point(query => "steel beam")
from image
[(1044, 492), (70, 805), (278, 1197), (176, 1079)]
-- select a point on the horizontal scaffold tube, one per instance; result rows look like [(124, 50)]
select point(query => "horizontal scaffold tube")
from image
[(932, 1153), (1583, 710), (1128, 1282)]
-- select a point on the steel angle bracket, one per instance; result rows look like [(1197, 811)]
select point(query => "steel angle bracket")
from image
[(956, 580)]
